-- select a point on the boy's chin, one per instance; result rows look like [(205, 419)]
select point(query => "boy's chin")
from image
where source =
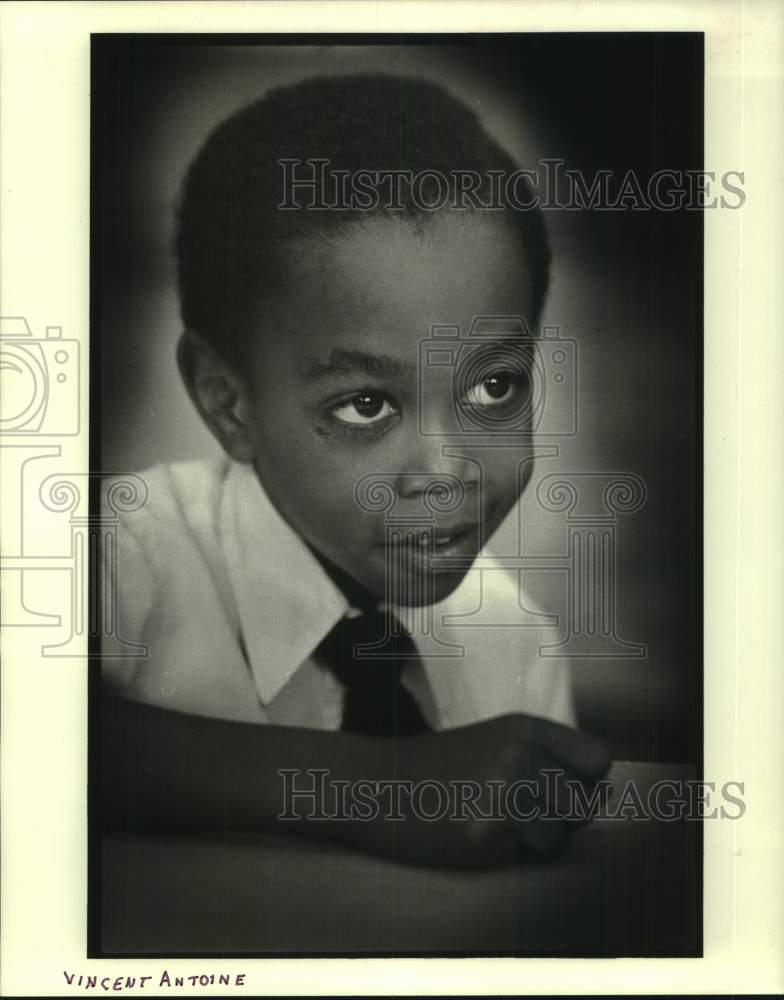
[(417, 583), (421, 590)]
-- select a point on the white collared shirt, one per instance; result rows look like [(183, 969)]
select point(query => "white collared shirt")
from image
[(230, 605)]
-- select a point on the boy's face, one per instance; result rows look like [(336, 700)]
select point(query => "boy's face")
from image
[(338, 392)]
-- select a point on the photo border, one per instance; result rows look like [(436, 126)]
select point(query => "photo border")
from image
[(45, 51)]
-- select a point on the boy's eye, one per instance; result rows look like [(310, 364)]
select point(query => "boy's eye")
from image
[(364, 408), (494, 390)]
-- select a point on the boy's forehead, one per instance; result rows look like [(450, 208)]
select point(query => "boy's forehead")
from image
[(383, 283), (431, 254)]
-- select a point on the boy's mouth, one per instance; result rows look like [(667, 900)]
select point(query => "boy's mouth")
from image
[(458, 540)]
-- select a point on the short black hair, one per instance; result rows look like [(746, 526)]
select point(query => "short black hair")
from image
[(231, 237)]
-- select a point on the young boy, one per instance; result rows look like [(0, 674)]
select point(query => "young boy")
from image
[(308, 601)]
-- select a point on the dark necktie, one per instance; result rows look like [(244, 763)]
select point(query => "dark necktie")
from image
[(376, 703)]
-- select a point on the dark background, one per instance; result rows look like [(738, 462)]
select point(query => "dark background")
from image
[(627, 285)]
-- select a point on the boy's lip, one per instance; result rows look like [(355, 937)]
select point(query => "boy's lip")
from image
[(443, 540)]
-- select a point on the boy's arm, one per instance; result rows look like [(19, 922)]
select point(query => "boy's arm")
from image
[(163, 769)]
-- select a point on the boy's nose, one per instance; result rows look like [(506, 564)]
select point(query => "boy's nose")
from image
[(434, 465)]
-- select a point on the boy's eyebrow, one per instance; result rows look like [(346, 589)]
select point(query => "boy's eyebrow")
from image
[(351, 362)]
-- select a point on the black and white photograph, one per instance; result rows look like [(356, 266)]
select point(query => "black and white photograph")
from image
[(390, 473), (399, 352)]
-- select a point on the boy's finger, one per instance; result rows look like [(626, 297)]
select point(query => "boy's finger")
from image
[(553, 782), (590, 804), (577, 751), (542, 838), (561, 792)]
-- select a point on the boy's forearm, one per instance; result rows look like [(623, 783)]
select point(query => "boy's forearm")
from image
[(163, 769)]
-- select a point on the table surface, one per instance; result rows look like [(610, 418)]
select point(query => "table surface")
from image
[(624, 888)]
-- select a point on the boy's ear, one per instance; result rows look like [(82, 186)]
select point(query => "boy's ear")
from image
[(218, 394)]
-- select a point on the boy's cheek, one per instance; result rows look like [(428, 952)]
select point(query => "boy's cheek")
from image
[(329, 515), (503, 482)]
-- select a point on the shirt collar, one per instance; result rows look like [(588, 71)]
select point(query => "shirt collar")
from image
[(285, 600)]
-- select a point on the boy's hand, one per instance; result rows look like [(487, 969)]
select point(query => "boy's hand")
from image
[(498, 757)]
